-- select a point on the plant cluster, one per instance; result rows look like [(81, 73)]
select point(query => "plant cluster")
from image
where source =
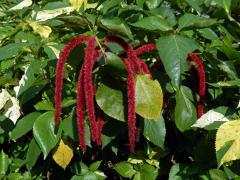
[(119, 89)]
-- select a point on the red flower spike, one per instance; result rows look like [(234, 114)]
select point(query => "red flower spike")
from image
[(59, 73), (100, 123), (202, 81), (80, 111), (145, 48), (89, 59), (138, 132), (131, 105), (134, 61)]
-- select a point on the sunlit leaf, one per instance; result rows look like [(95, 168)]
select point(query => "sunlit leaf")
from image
[(209, 118), (10, 106), (63, 154), (42, 30), (44, 132), (149, 97), (21, 5), (229, 131), (77, 4)]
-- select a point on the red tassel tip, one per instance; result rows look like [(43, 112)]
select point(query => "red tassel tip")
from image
[(100, 123), (59, 73), (131, 106), (138, 133), (90, 57), (145, 48), (202, 81), (80, 111)]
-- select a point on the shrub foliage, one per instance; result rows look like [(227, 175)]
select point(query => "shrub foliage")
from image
[(119, 89)]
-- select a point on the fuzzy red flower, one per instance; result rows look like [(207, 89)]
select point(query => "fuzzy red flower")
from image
[(80, 111), (146, 48), (88, 86), (59, 73), (202, 81), (131, 105)]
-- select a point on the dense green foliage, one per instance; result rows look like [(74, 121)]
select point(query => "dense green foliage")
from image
[(176, 145)]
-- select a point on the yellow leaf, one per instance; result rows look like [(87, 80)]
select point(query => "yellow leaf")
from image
[(43, 31), (149, 97), (63, 154), (78, 3), (229, 131)]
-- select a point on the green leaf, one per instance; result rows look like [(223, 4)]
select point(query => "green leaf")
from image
[(208, 34), (10, 50), (173, 50), (149, 97), (114, 64), (33, 153), (28, 77), (146, 171), (100, 175), (44, 105), (165, 13), (87, 176), (44, 132), (230, 173), (4, 163), (117, 25), (152, 4), (222, 151), (229, 131), (185, 110), (70, 128), (194, 4), (225, 4), (217, 174), (153, 23), (79, 168), (108, 5), (175, 172), (94, 166), (155, 131), (227, 84), (125, 169), (190, 21), (24, 125), (110, 101)]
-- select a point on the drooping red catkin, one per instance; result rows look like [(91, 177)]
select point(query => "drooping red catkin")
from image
[(81, 97), (59, 73), (100, 123), (145, 48), (138, 132), (88, 87), (202, 81), (131, 106), (80, 111)]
